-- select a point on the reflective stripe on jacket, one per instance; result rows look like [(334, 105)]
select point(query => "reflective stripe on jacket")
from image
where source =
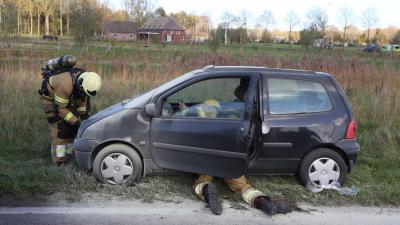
[(60, 90)]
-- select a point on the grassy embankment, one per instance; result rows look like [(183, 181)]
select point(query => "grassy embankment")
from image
[(371, 81)]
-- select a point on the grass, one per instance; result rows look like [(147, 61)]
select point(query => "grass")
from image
[(371, 82)]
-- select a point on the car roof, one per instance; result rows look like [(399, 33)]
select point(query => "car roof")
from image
[(265, 70)]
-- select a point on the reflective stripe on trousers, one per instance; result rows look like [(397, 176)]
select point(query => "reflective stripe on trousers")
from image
[(236, 185), (250, 194), (61, 151)]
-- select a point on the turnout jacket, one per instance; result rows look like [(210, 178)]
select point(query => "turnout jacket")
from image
[(60, 89)]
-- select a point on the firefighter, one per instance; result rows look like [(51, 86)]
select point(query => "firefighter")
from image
[(207, 191), (65, 98)]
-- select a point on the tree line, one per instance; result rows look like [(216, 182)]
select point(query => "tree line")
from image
[(84, 19)]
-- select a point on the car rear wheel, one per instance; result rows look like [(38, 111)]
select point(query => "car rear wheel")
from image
[(322, 167), (117, 164)]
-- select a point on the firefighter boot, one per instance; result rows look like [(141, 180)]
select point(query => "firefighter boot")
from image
[(265, 204), (272, 207), (212, 198)]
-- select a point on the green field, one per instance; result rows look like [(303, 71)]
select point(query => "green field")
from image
[(371, 82)]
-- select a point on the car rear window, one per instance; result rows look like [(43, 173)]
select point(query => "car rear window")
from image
[(288, 96)]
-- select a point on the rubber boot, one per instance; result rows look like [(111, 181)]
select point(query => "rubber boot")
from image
[(272, 207), (211, 197), (265, 204)]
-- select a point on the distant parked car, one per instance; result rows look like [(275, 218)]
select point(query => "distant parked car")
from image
[(391, 48), (372, 48), (50, 37)]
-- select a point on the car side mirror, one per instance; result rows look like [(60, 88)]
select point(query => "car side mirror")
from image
[(150, 109)]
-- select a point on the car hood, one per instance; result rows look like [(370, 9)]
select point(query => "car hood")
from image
[(101, 115), (132, 103)]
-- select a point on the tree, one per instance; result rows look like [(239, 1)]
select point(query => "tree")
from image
[(292, 20), (346, 15), (309, 35), (19, 5), (30, 9), (160, 12), (46, 6), (242, 21), (396, 39), (9, 22), (38, 12), (83, 22), (267, 19), (62, 6), (138, 10), (1, 9), (214, 42), (227, 19), (120, 15), (370, 19), (380, 37), (319, 18)]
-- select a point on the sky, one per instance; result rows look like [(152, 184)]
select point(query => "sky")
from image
[(388, 11)]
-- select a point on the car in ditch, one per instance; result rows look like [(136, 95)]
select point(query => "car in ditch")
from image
[(266, 121)]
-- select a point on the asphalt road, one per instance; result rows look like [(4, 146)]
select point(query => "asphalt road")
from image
[(191, 212)]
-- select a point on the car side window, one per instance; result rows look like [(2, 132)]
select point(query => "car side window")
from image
[(211, 98), (288, 96)]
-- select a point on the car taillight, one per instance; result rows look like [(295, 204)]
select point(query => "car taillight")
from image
[(351, 130)]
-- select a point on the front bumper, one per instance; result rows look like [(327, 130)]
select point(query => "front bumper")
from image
[(83, 149), (351, 147)]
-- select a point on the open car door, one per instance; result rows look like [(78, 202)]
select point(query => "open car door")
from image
[(216, 143)]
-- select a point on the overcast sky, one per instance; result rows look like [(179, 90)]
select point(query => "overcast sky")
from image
[(388, 10)]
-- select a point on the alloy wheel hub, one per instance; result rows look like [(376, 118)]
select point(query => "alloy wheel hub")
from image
[(117, 168), (324, 172)]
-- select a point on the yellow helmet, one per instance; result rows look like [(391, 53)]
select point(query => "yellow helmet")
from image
[(213, 102), (90, 83)]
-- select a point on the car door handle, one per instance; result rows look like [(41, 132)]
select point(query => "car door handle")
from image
[(265, 128)]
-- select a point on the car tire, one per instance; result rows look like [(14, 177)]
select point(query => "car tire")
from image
[(322, 165), (117, 164)]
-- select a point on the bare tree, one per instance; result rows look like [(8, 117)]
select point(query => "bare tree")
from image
[(84, 23), (61, 9), (38, 11), (46, 6), (267, 18), (30, 9), (19, 4), (319, 18), (9, 21), (67, 11), (370, 19), (1, 9), (292, 20), (346, 15), (138, 10), (227, 19), (243, 18)]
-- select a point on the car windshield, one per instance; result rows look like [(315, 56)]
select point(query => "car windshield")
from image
[(162, 87), (175, 81)]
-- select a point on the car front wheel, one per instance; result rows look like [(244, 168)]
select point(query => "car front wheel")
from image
[(117, 164), (322, 167)]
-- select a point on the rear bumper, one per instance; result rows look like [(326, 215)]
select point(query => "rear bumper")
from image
[(83, 149), (351, 147)]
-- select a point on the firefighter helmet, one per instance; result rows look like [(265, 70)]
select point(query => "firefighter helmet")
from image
[(90, 83)]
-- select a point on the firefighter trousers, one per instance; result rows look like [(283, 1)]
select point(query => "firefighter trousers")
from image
[(61, 145), (237, 185)]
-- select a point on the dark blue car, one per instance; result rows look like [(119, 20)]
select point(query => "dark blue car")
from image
[(372, 48), (265, 121)]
